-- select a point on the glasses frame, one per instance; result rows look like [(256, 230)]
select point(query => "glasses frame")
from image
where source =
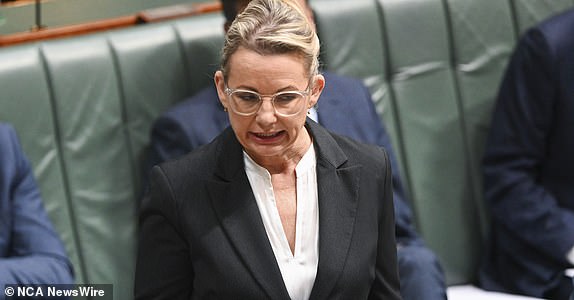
[(230, 91)]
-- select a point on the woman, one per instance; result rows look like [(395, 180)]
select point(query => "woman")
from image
[(275, 207)]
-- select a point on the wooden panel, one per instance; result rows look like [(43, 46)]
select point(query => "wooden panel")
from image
[(146, 16), (178, 11), (67, 31)]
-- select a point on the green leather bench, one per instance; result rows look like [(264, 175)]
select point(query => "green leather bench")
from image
[(434, 67), (83, 108)]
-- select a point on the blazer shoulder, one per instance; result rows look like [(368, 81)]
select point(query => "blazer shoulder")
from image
[(10, 149), (196, 163), (362, 151), (338, 86), (342, 79), (194, 121), (555, 33), (7, 135), (560, 24), (203, 102), (206, 161)]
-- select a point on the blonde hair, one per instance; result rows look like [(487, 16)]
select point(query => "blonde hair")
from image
[(272, 27)]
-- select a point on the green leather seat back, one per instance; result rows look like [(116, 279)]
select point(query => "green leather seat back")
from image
[(430, 119), (153, 78), (201, 40), (433, 67), (93, 100), (90, 118), (483, 38)]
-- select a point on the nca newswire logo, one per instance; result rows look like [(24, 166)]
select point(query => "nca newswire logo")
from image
[(58, 291)]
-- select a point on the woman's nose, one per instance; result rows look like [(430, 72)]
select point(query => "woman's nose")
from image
[(266, 113)]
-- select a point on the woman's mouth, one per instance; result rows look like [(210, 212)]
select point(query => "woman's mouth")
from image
[(267, 137)]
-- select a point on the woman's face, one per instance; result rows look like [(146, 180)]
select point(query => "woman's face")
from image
[(267, 134)]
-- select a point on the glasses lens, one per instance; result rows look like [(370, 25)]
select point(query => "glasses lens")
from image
[(285, 103), (288, 103), (245, 102)]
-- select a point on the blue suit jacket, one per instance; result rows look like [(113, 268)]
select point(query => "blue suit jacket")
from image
[(529, 164), (30, 250), (345, 108)]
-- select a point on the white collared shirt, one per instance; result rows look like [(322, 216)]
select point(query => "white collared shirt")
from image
[(299, 269), (313, 115)]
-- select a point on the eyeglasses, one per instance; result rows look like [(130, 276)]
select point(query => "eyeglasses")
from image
[(247, 103)]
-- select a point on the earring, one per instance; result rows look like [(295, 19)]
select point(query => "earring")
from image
[(225, 109)]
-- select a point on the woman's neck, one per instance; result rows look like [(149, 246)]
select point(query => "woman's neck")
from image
[(287, 161)]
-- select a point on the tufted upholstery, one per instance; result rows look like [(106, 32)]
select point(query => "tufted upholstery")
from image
[(83, 108), (433, 68)]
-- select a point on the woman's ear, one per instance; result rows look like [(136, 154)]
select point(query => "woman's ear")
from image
[(318, 86), (220, 85)]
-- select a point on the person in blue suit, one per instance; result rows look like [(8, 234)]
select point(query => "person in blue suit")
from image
[(31, 251), (346, 108), (528, 166)]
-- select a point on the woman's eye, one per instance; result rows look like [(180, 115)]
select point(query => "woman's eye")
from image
[(287, 97), (247, 97)]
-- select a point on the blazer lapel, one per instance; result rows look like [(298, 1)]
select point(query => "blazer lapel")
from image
[(235, 205), (338, 192)]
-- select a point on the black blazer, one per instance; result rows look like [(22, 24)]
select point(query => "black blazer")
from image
[(201, 234), (345, 108)]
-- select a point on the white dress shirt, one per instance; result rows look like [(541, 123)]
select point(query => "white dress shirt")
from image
[(298, 269), (570, 257), (313, 115)]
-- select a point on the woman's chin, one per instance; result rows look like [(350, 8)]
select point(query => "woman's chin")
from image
[(259, 150)]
